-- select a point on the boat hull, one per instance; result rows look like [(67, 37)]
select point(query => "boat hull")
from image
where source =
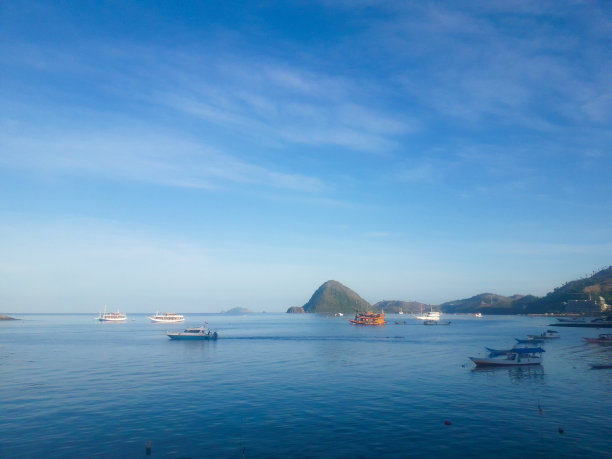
[(368, 318), (485, 362), (604, 324), (192, 338)]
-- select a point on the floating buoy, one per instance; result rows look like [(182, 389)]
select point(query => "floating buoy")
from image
[(447, 423)]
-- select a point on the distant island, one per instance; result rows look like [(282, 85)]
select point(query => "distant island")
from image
[(587, 296), (238, 312)]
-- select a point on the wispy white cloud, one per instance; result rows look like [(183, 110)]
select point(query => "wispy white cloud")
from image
[(139, 154)]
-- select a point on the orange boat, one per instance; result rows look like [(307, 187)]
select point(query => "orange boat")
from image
[(368, 318)]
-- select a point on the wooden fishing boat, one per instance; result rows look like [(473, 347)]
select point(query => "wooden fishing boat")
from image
[(368, 318)]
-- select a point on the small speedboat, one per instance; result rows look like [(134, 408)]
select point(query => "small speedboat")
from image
[(167, 317), (602, 338), (193, 333), (510, 357)]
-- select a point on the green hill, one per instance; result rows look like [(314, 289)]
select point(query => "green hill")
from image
[(599, 284), (333, 297), (594, 286)]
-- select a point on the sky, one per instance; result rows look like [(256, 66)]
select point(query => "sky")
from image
[(199, 156)]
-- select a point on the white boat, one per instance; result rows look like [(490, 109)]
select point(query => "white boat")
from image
[(510, 357), (167, 317), (548, 334), (111, 316), (478, 314), (193, 333), (431, 315)]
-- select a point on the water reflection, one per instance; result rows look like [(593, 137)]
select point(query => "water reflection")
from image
[(515, 374)]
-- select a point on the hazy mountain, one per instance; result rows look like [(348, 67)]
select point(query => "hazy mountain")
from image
[(395, 306), (484, 302), (333, 297)]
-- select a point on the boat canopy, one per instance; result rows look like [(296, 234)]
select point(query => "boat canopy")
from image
[(518, 350), (528, 350)]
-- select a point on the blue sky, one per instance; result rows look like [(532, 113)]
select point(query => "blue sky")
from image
[(198, 156)]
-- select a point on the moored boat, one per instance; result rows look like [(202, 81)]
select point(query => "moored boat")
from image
[(430, 315), (600, 322), (436, 322), (194, 333), (529, 340), (167, 317), (548, 334), (602, 338), (112, 316), (571, 319), (511, 357), (368, 318)]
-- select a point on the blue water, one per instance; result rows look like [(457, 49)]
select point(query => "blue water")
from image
[(280, 385)]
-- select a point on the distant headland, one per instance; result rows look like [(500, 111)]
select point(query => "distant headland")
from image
[(587, 296), (3, 317)]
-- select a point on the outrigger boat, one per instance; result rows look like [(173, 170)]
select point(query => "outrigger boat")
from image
[(436, 322), (510, 357), (201, 333), (548, 334), (602, 338), (368, 318), (529, 341), (167, 317)]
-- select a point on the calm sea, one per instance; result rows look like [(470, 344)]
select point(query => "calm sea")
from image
[(280, 385)]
